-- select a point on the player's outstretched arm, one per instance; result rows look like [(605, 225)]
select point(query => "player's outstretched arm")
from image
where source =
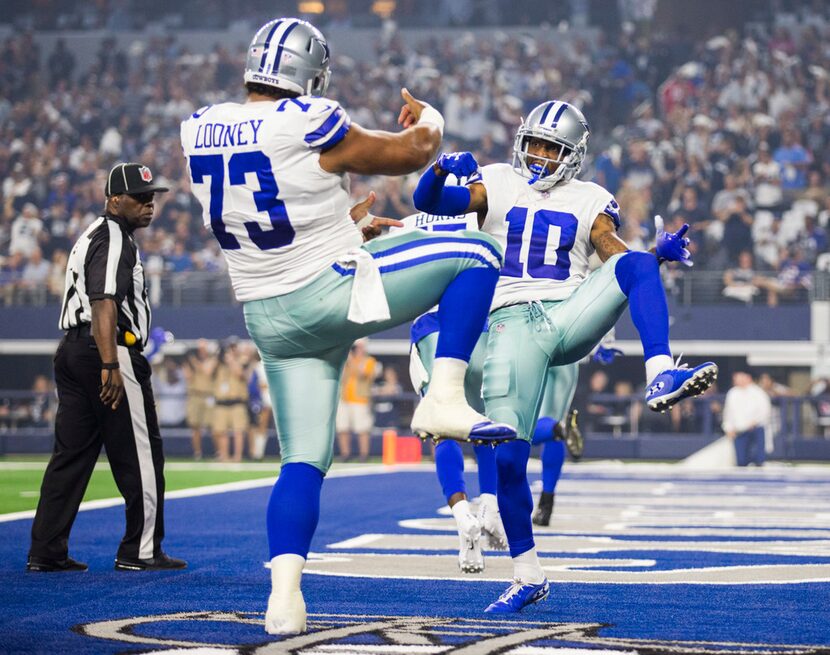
[(433, 197), (605, 240), (376, 152), (371, 226)]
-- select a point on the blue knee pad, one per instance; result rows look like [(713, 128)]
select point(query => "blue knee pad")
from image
[(638, 274), (294, 509), (515, 499), (449, 465)]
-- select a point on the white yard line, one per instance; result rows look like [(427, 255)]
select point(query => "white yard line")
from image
[(241, 485)]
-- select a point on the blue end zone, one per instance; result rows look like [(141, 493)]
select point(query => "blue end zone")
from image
[(223, 537)]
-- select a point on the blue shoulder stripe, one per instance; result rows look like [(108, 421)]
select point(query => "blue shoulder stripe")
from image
[(337, 137), (326, 127)]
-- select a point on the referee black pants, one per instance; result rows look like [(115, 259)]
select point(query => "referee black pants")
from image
[(83, 425)]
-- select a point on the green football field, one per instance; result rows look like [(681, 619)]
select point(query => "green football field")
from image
[(20, 478)]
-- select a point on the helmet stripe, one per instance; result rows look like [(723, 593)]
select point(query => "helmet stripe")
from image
[(277, 23), (546, 112), (278, 54), (559, 113)]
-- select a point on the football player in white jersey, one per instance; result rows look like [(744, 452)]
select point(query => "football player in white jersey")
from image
[(481, 528), (270, 174), (547, 309)]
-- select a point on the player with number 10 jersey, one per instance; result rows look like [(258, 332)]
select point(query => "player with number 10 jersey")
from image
[(545, 234)]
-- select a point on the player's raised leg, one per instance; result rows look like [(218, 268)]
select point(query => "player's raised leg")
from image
[(462, 269), (668, 382)]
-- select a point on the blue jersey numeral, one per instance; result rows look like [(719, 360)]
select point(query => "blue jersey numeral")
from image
[(266, 199), (536, 266)]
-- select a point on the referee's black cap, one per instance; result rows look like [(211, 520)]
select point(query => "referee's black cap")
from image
[(131, 178)]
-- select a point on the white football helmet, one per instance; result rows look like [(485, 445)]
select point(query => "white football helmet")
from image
[(562, 124), (290, 54)]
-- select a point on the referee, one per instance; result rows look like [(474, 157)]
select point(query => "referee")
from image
[(104, 392)]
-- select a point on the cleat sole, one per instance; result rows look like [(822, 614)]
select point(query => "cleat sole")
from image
[(695, 386)]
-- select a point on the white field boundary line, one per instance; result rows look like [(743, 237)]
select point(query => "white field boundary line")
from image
[(241, 485)]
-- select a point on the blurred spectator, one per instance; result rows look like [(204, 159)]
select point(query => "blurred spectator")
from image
[(171, 393), (746, 415), (259, 401), (794, 161), (739, 283), (230, 392), (386, 412), (198, 371), (354, 413), (26, 231), (766, 179), (44, 403)]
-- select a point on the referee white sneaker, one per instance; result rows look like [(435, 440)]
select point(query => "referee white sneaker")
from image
[(286, 614)]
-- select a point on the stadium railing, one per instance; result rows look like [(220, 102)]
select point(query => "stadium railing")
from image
[(614, 426), (208, 288)]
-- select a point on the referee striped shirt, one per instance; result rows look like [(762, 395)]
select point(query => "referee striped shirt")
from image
[(104, 263)]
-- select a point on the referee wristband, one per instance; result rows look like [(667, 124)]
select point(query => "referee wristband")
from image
[(110, 366), (432, 116)]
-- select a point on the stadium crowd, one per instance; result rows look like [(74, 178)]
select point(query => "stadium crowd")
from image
[(731, 135)]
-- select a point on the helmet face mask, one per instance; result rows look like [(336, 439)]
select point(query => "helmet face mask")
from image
[(558, 123), (289, 54)]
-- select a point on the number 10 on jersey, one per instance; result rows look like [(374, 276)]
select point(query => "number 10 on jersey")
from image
[(536, 266), (266, 200)]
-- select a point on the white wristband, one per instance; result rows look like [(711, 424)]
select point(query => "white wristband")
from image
[(366, 221), (432, 116)]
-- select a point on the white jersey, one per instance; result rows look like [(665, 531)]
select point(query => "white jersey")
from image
[(255, 168), (545, 234)]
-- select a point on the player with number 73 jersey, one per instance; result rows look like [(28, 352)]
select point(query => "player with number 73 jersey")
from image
[(271, 175), (548, 310)]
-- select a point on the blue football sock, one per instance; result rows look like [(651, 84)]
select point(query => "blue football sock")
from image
[(638, 275), (449, 465), (462, 312), (515, 500), (544, 430), (294, 509), (553, 456), (487, 476)]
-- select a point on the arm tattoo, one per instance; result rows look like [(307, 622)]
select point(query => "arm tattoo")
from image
[(609, 244)]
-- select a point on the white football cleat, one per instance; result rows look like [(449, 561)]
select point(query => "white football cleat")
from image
[(491, 526), (470, 559), (443, 419), (286, 614)]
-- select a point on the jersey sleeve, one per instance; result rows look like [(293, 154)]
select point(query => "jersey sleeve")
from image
[(104, 277), (612, 209), (327, 125)]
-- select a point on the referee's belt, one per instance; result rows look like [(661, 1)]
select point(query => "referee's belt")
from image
[(83, 330)]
